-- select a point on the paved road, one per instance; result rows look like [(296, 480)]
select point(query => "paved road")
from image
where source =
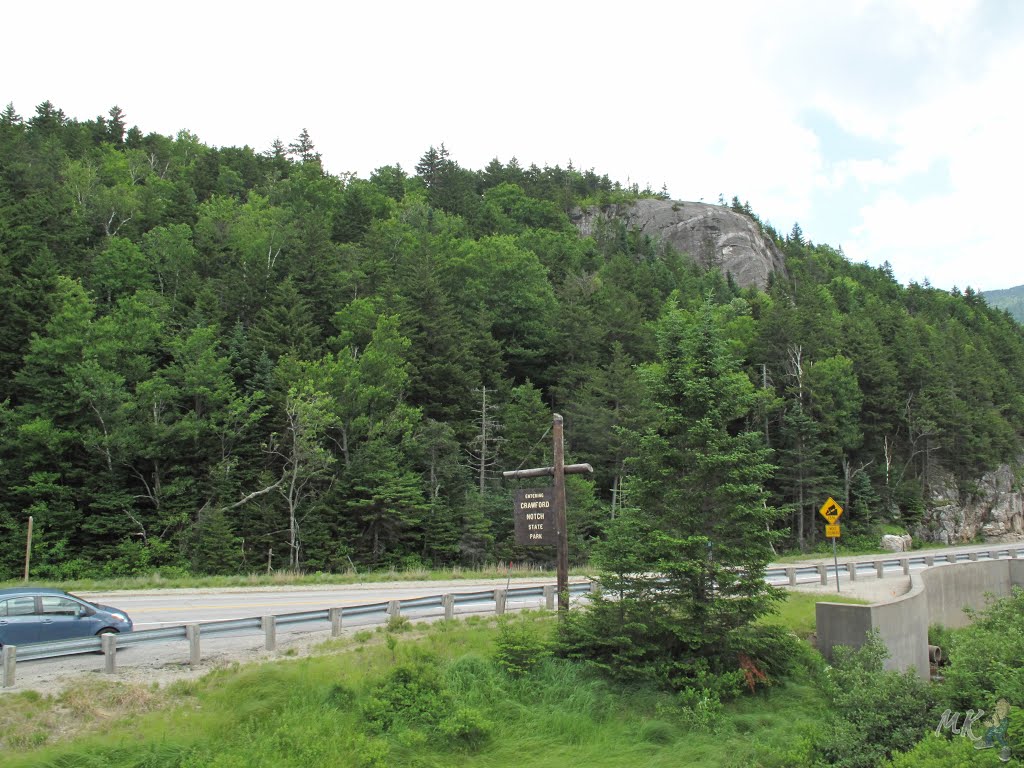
[(182, 606)]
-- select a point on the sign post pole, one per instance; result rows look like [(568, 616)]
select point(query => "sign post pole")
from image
[(835, 561), (532, 522), (831, 511), (562, 551)]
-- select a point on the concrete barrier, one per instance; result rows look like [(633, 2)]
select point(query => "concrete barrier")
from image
[(938, 595)]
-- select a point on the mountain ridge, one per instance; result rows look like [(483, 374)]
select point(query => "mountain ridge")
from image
[(1010, 299)]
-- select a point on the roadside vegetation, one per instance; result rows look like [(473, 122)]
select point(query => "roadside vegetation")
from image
[(486, 692), (479, 692)]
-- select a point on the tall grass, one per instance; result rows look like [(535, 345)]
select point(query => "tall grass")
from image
[(451, 705)]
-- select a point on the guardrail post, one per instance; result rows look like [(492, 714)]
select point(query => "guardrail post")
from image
[(823, 573), (595, 587), (394, 608), (549, 597), (905, 562), (973, 556), (851, 569), (879, 568), (335, 616), (994, 554), (448, 603), (192, 635), (7, 665), (499, 601), (791, 575), (109, 645), (269, 624), (950, 558), (1013, 553), (929, 560)]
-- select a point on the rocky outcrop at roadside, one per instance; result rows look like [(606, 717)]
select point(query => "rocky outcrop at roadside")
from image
[(994, 510)]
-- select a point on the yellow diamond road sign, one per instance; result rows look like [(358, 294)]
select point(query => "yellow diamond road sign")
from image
[(832, 532), (831, 510)]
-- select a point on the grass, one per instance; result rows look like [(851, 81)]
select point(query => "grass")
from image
[(797, 611), (460, 709), (157, 580)]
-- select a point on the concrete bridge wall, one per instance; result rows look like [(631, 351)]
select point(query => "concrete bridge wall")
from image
[(938, 595)]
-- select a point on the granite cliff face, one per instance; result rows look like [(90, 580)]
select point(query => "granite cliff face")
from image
[(712, 235), (993, 511)]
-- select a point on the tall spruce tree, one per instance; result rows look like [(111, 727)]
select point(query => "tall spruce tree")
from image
[(683, 565)]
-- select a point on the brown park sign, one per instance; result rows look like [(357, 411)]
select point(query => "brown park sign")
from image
[(535, 517)]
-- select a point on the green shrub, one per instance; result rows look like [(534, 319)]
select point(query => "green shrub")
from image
[(465, 728), (520, 647), (985, 658), (874, 713), (942, 752), (411, 695)]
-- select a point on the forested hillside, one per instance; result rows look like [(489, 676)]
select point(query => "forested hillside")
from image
[(218, 359)]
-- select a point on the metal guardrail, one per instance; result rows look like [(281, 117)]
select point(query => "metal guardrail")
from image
[(54, 649), (793, 574), (796, 573)]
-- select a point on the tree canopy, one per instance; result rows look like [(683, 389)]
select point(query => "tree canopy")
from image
[(219, 358)]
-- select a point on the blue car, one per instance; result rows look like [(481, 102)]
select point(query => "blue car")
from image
[(39, 615)]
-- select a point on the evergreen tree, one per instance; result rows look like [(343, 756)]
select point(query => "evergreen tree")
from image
[(683, 565)]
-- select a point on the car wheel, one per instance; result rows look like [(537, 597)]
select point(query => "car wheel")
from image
[(106, 631)]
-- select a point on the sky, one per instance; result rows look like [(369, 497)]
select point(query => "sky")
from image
[(893, 130)]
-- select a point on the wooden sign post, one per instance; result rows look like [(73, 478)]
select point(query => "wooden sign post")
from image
[(556, 503)]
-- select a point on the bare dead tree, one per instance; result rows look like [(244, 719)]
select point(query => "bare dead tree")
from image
[(483, 450)]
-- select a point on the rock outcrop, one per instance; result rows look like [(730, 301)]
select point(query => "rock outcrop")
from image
[(994, 510), (712, 235), (893, 543)]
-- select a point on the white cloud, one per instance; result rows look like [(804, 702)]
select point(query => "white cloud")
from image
[(706, 98)]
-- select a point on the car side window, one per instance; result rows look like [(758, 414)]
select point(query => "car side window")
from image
[(18, 606), (60, 606)]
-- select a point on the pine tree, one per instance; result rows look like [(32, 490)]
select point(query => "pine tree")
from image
[(303, 148), (683, 566)]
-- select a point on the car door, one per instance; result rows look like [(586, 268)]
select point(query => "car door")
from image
[(62, 618), (19, 623)]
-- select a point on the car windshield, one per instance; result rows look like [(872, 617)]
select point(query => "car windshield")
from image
[(83, 600)]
